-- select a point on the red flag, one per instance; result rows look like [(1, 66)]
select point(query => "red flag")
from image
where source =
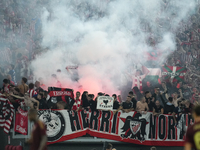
[(21, 122)]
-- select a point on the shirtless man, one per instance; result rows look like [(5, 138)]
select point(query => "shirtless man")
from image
[(142, 106), (176, 99)]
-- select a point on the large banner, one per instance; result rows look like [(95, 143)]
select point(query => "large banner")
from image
[(132, 127)]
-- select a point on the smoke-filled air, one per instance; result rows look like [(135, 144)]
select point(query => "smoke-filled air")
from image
[(97, 45)]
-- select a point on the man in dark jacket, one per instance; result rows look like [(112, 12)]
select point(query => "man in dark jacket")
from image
[(42, 101), (169, 107), (91, 102), (133, 100), (148, 98)]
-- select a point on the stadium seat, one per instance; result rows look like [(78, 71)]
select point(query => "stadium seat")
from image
[(10, 147), (19, 148), (13, 148), (6, 148)]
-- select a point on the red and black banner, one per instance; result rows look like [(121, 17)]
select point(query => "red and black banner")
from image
[(61, 94), (131, 127)]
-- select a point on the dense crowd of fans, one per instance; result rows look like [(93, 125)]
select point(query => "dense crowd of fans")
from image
[(20, 26), (33, 96), (165, 98)]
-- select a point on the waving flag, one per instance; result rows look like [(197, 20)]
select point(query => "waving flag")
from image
[(173, 72), (153, 75), (6, 114)]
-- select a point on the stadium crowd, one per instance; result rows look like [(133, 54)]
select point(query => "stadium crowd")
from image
[(33, 96), (20, 43)]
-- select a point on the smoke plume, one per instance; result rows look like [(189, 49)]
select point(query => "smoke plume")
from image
[(105, 39)]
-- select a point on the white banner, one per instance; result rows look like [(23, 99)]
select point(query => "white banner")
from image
[(105, 103)]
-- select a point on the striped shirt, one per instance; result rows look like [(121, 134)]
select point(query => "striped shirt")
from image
[(6, 115), (77, 104), (31, 92), (6, 88), (137, 81)]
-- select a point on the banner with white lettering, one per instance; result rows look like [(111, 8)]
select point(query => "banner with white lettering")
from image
[(61, 94), (21, 122), (105, 103), (131, 127)]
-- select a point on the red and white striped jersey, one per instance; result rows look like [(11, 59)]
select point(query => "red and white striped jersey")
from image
[(6, 88), (31, 92), (137, 81), (77, 104), (6, 115)]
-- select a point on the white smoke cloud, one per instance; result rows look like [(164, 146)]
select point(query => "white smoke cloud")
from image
[(104, 39)]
